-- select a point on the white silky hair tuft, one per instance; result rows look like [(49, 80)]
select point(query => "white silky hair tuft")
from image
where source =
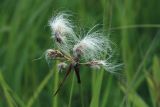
[(47, 56), (62, 26), (106, 65), (93, 46)]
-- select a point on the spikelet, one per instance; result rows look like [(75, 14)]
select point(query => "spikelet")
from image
[(105, 64), (48, 55), (62, 32), (92, 46)]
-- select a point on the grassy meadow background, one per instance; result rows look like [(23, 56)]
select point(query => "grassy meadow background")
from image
[(133, 25)]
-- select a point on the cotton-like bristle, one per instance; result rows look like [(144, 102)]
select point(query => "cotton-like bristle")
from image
[(53, 54), (62, 31), (108, 66), (93, 46), (48, 54), (61, 24)]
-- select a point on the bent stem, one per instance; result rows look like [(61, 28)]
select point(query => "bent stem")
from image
[(76, 69), (65, 77)]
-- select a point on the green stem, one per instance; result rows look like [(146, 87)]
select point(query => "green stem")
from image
[(81, 93), (71, 93)]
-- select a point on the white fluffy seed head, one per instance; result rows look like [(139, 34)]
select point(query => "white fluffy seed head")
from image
[(61, 24), (108, 66), (53, 54), (62, 31), (93, 46), (48, 54)]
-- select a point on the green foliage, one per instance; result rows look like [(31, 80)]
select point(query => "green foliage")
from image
[(133, 26)]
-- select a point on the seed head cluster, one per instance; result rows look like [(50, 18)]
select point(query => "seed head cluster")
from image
[(89, 50), (73, 51)]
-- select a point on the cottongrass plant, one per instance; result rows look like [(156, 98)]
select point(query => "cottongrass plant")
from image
[(74, 51)]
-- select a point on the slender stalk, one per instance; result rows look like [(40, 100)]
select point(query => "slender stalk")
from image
[(81, 95), (56, 79), (65, 77), (71, 93)]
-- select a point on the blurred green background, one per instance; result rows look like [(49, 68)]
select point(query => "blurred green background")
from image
[(25, 35)]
